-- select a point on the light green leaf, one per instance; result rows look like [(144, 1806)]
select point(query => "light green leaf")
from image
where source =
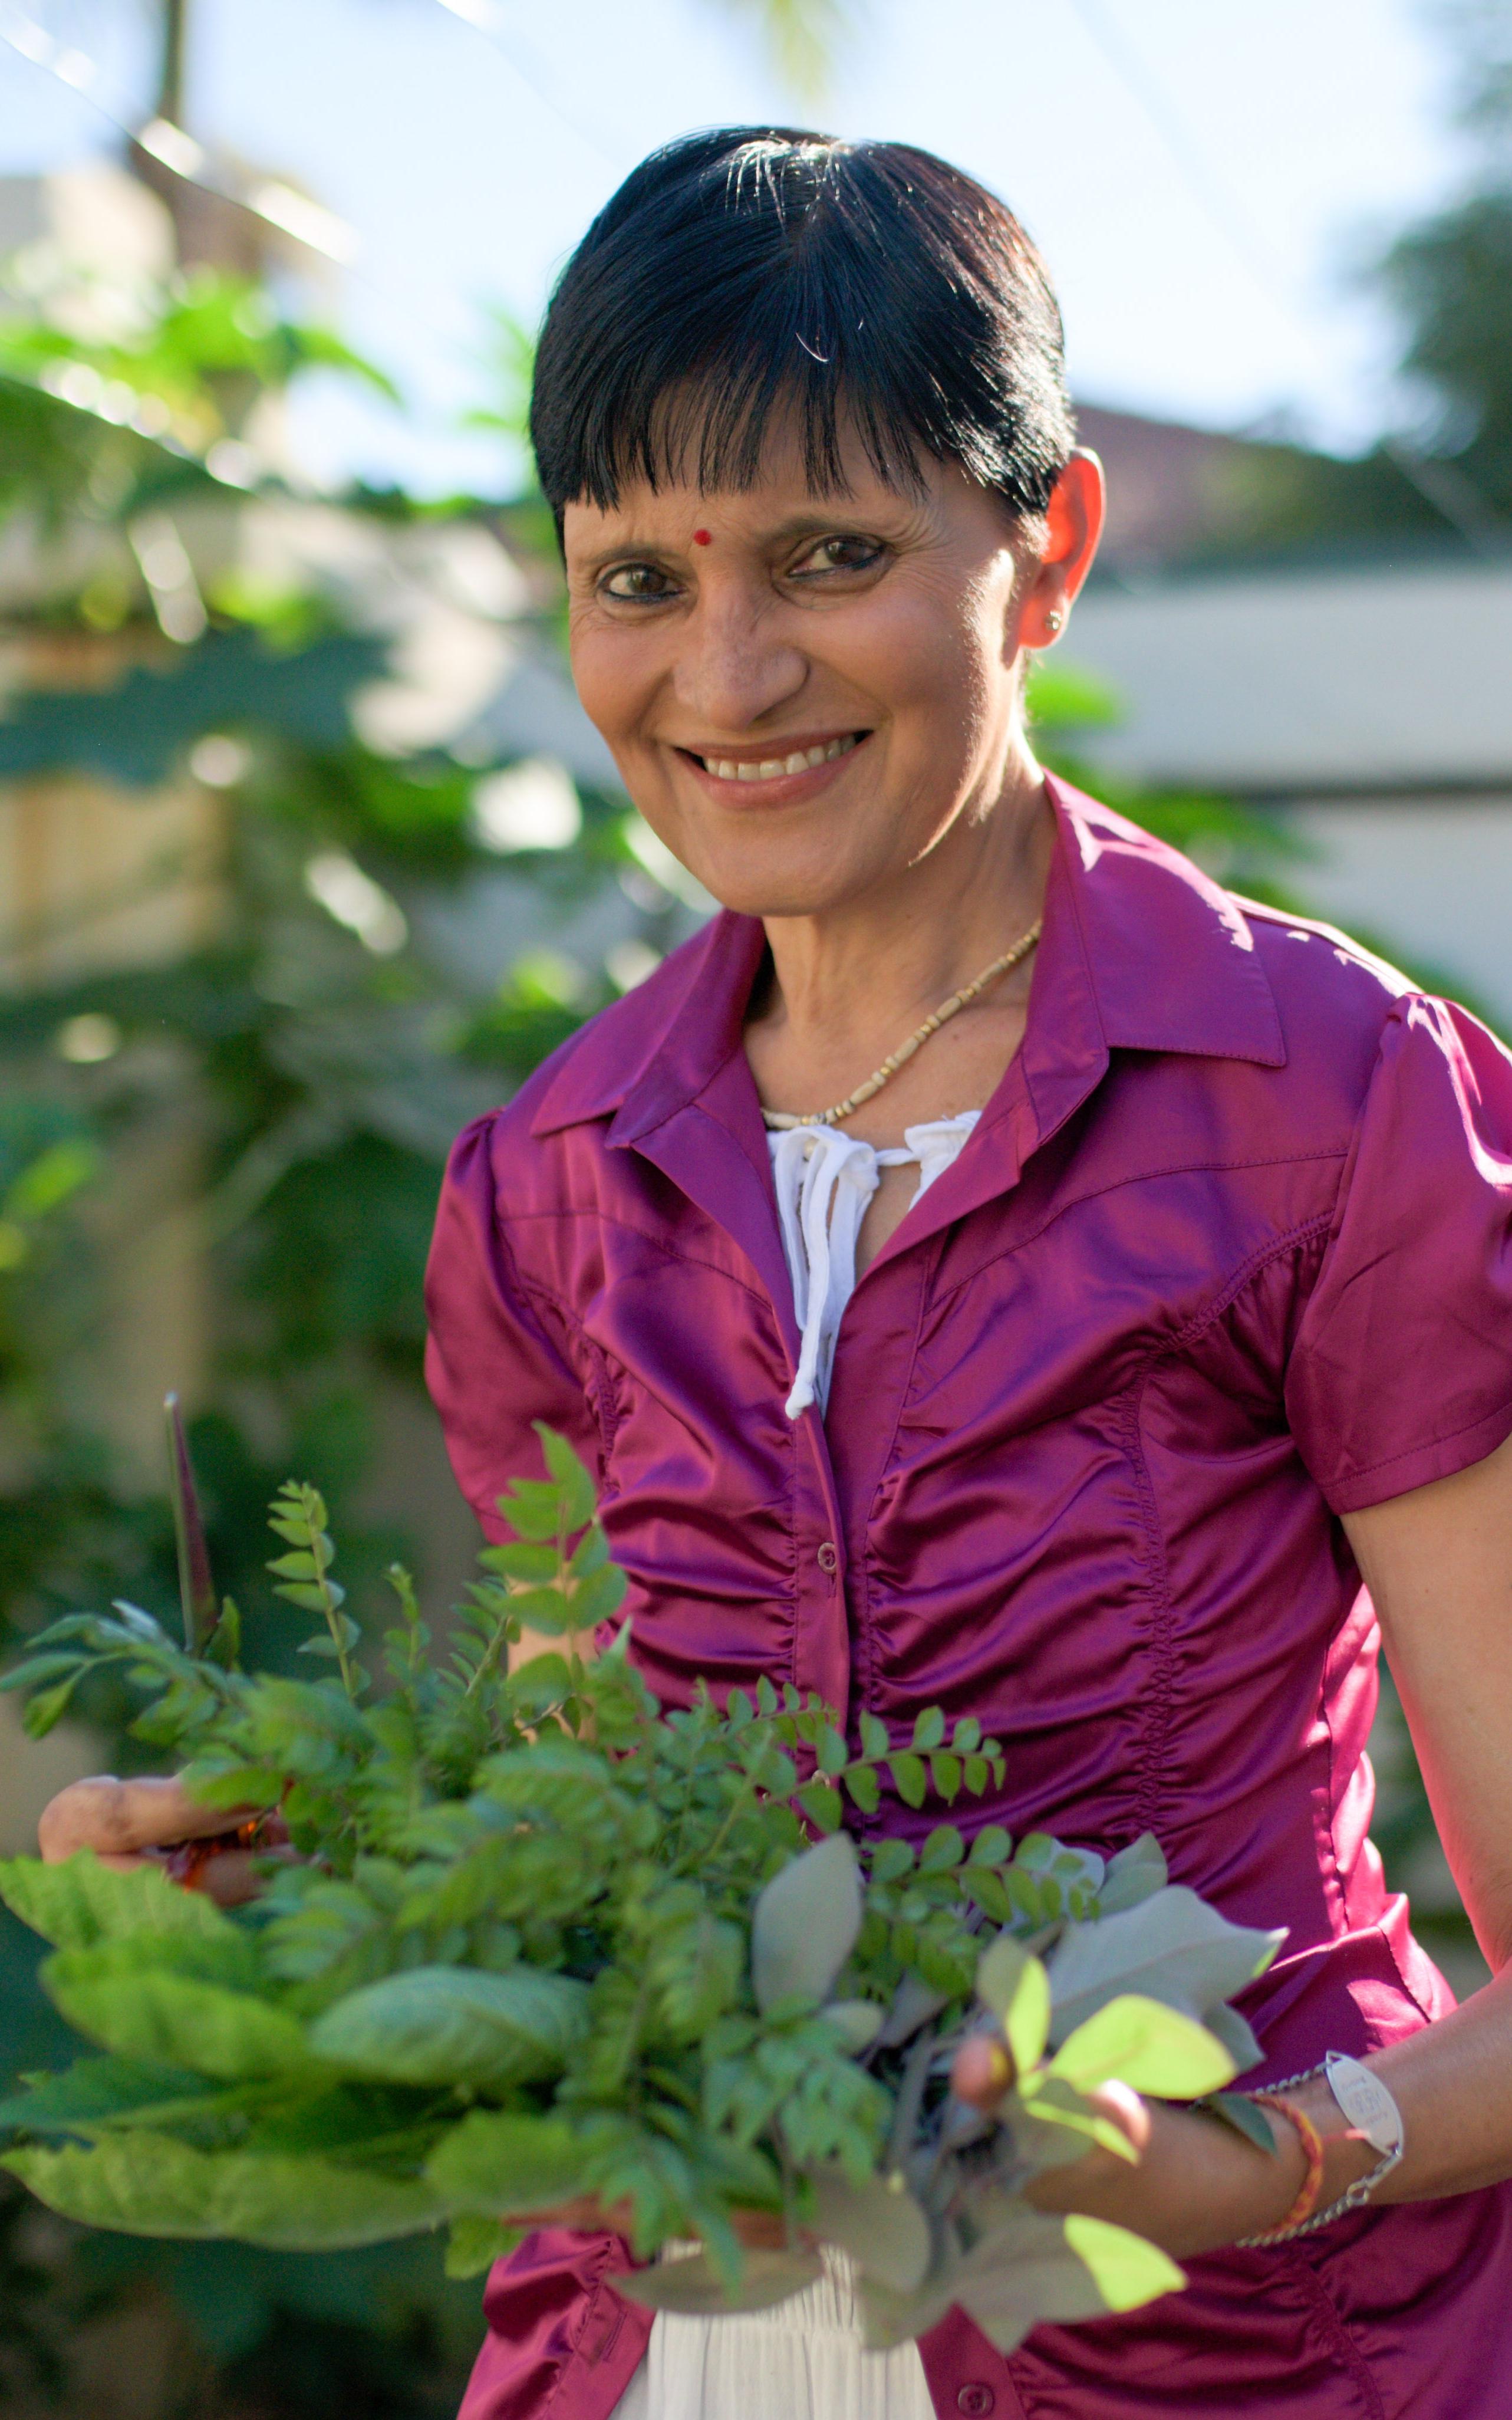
[(1172, 1947), (999, 1972), (114, 1997), (1028, 2022), (878, 2223), (805, 1923), (456, 2024), (929, 1728), (152, 2184), (1126, 2269), (1148, 2046), (874, 1740), (695, 2286), (496, 2163), (81, 1902)]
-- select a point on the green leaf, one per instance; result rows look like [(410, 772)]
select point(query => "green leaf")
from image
[(599, 1597), (144, 2183), (909, 1778), (1126, 2270), (579, 1495), (864, 1787), (519, 1560), (473, 2244), (308, 1599), (874, 1740), (945, 1771), (1246, 2117), (804, 1924), (999, 1972), (300, 1566), (1148, 2046), (823, 1804), (114, 1997), (496, 2163), (100, 2092), (929, 1728), (943, 1849), (47, 1707), (455, 2025), (80, 1901), (992, 1846)]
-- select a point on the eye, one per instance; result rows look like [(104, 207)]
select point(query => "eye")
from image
[(636, 584), (845, 551)]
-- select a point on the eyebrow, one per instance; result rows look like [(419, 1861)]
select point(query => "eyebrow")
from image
[(797, 525)]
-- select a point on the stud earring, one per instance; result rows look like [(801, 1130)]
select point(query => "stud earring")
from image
[(1054, 620)]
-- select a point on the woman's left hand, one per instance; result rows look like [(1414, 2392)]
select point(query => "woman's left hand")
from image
[(1194, 2184)]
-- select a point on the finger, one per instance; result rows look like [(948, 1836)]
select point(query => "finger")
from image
[(116, 1818), (983, 2071)]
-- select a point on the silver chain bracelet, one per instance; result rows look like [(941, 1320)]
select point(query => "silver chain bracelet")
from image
[(1373, 2114)]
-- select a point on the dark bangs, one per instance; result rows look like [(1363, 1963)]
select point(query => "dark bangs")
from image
[(757, 273)]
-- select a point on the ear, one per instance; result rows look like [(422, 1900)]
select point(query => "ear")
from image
[(1074, 524)]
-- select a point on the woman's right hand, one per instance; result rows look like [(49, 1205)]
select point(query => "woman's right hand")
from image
[(139, 1822)]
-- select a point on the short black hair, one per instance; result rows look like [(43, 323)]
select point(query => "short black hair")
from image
[(755, 269)]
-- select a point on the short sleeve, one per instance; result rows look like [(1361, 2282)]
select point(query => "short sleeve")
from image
[(1401, 1369), (491, 1368)]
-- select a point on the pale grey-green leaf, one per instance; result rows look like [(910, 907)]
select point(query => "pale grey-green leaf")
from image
[(694, 2286), (1172, 1947), (856, 2021), (1235, 2035), (1135, 1874), (805, 1924), (878, 2223)]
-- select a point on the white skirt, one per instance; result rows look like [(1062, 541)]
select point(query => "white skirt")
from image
[(802, 2361)]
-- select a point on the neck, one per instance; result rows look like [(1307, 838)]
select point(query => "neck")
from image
[(885, 959)]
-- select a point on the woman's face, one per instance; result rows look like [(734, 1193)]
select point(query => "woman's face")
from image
[(805, 694)]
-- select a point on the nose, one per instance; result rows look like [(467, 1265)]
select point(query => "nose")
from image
[(733, 663)]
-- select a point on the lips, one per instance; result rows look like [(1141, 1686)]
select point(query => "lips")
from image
[(776, 769)]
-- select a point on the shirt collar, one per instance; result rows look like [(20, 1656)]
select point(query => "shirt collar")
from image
[(1141, 950)]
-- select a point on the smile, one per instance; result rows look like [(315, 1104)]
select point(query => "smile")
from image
[(776, 769)]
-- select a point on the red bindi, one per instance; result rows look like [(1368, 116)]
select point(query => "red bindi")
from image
[(703, 537)]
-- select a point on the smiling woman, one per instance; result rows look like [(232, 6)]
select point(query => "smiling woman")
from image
[(990, 1266)]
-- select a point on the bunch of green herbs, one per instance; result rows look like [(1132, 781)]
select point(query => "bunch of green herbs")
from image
[(533, 1942)]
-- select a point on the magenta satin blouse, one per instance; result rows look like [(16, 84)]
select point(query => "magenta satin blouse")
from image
[(1227, 1255)]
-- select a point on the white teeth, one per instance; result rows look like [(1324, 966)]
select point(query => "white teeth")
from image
[(771, 769)]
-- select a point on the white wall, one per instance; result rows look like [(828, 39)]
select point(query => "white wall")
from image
[(1431, 877)]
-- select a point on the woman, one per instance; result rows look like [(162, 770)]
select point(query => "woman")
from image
[(1069, 1369)]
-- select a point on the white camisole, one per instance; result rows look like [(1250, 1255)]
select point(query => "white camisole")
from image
[(804, 2360)]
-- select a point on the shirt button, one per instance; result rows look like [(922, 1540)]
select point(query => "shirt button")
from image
[(975, 2398), (828, 1558)]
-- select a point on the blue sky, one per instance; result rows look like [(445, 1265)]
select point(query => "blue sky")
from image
[(1203, 260)]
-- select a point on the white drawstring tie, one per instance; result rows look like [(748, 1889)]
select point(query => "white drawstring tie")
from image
[(825, 1181)]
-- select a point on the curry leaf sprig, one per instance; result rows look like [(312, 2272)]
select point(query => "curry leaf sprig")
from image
[(527, 1938)]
